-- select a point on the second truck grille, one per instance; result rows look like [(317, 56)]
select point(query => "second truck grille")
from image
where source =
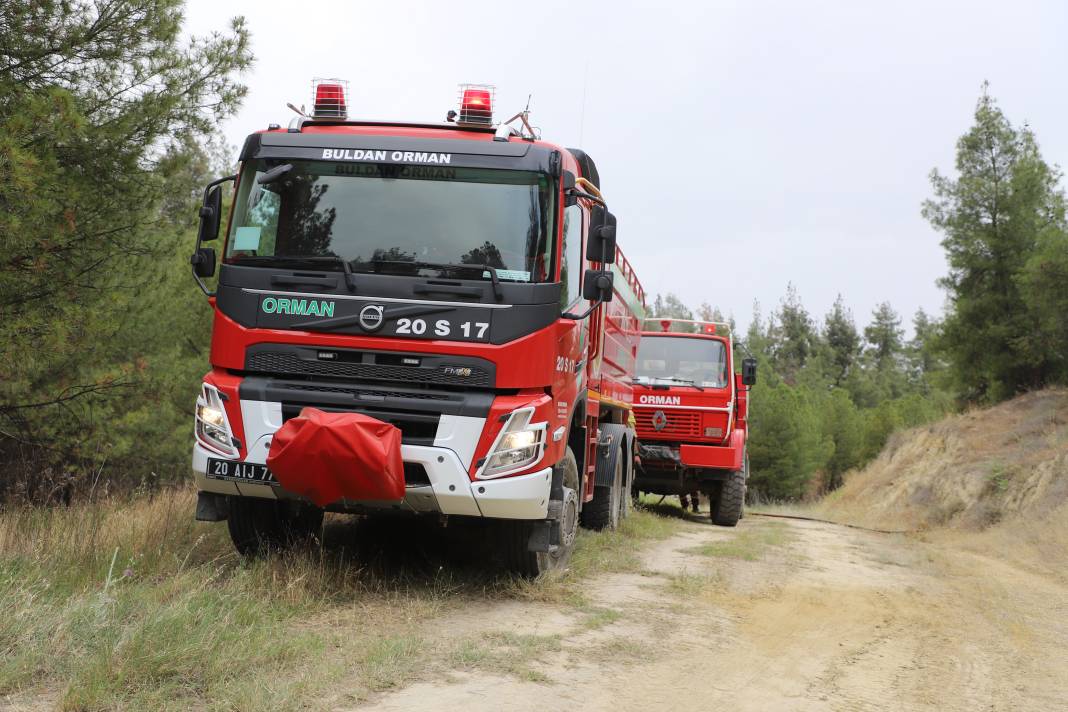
[(679, 423)]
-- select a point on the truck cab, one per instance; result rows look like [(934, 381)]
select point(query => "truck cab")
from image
[(691, 412), (458, 282)]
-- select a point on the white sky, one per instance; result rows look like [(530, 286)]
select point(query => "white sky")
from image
[(743, 145)]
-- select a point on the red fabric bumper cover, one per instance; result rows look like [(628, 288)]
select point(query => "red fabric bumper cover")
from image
[(331, 456)]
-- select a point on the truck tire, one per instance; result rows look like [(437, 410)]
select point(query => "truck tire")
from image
[(258, 526), (514, 542), (726, 509), (602, 512)]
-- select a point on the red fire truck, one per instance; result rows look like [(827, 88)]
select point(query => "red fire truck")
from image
[(691, 409), (430, 318)]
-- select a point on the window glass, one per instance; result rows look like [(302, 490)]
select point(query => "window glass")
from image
[(571, 269), (666, 359), (396, 219)]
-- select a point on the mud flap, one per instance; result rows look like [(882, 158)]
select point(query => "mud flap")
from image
[(327, 457), (613, 438), (212, 507), (545, 534)]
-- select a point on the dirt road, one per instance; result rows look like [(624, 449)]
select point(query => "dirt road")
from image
[(770, 616)]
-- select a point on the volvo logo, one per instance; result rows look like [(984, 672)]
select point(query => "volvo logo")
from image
[(659, 420), (371, 317)]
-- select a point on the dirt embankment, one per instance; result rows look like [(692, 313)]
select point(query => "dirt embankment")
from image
[(994, 480)]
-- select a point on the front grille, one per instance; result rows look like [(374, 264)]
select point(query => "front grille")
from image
[(416, 428), (366, 393), (287, 363), (680, 423)]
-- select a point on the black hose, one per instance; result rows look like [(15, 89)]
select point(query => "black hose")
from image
[(827, 521)]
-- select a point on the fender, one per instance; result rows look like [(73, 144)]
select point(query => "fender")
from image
[(615, 441)]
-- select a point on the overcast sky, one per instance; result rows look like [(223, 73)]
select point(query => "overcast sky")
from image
[(743, 145)]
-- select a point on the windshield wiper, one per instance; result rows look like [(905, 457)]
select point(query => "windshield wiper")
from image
[(676, 379), (350, 278), (449, 266)]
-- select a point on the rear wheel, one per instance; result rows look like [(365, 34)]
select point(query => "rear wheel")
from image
[(726, 509), (515, 534), (259, 525), (603, 511)]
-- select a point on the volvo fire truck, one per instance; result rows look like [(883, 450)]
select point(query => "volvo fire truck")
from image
[(691, 410), (424, 318)]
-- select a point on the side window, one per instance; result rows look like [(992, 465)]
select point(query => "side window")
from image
[(571, 269)]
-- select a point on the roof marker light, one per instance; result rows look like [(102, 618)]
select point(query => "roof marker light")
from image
[(329, 98), (665, 324), (476, 104), (710, 328)]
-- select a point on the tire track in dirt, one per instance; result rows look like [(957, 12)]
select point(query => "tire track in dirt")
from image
[(834, 619)]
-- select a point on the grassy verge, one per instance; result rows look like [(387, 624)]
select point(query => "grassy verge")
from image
[(133, 605), (749, 544)]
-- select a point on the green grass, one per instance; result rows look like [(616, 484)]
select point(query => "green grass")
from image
[(750, 544), (133, 605)]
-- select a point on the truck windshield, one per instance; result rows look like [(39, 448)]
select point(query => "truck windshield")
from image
[(674, 360), (394, 219)]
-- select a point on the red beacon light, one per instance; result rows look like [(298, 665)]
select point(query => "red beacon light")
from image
[(710, 328), (476, 104), (665, 324), (329, 102)]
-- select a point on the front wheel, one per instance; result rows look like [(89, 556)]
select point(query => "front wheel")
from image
[(515, 535), (727, 508), (258, 526)]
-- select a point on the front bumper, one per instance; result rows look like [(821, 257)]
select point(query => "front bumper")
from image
[(450, 491)]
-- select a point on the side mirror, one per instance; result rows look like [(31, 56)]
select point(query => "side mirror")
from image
[(210, 215), (597, 285), (203, 261), (601, 244), (749, 371)]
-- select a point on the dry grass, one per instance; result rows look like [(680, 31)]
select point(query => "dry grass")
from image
[(967, 471), (994, 480), (133, 605)]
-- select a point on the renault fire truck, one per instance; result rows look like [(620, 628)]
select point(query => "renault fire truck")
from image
[(427, 318), (691, 410)]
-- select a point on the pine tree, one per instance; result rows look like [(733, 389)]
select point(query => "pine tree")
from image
[(1002, 206), (843, 341), (97, 101), (792, 334), (885, 337)]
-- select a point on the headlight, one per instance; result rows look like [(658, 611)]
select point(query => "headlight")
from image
[(520, 444), (212, 428), (211, 416)]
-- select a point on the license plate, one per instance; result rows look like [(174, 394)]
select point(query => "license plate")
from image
[(240, 472)]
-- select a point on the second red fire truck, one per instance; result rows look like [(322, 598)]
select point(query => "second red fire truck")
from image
[(416, 317), (692, 414)]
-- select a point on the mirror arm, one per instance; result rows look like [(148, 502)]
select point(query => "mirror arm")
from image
[(583, 315), (196, 252), (200, 283), (576, 193)]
